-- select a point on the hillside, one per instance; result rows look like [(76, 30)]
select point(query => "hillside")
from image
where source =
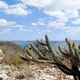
[(10, 48)]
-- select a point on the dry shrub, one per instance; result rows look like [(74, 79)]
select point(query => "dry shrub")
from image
[(12, 59)]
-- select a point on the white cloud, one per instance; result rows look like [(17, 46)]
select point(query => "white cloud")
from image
[(54, 4), (65, 5), (74, 29), (54, 13), (56, 25), (38, 3), (62, 9), (6, 23), (68, 14), (9, 24), (24, 30), (6, 31), (34, 24), (60, 15), (18, 26), (3, 5), (48, 30), (76, 21), (72, 13), (15, 9), (40, 22), (73, 32)]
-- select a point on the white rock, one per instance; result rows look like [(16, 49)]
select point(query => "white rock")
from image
[(1, 52), (3, 75), (46, 77)]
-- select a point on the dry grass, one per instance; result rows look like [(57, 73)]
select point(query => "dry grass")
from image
[(12, 59)]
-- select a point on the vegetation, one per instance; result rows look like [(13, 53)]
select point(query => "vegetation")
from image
[(45, 54), (11, 53), (12, 59)]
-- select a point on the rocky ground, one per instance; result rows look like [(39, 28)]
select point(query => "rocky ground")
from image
[(31, 72)]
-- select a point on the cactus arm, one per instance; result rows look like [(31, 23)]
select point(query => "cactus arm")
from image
[(59, 55), (37, 51), (70, 47), (38, 60), (24, 58), (42, 43), (48, 44), (63, 52), (51, 50), (45, 48)]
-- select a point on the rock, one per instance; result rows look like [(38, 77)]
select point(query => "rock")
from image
[(1, 52), (46, 77), (3, 76)]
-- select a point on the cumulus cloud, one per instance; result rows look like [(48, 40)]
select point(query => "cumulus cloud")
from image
[(76, 21), (56, 25), (57, 13), (54, 4), (25, 30), (62, 10), (73, 31), (62, 17), (15, 9), (72, 13), (3, 5), (65, 5), (63, 14), (9, 24), (18, 26), (6, 23), (6, 31), (40, 22), (38, 3)]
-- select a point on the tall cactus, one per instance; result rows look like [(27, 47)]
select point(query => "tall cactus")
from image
[(72, 54)]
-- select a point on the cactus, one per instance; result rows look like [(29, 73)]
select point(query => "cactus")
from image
[(72, 54)]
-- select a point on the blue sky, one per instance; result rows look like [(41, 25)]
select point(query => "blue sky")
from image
[(32, 19)]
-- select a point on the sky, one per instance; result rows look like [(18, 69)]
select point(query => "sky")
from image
[(32, 19)]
